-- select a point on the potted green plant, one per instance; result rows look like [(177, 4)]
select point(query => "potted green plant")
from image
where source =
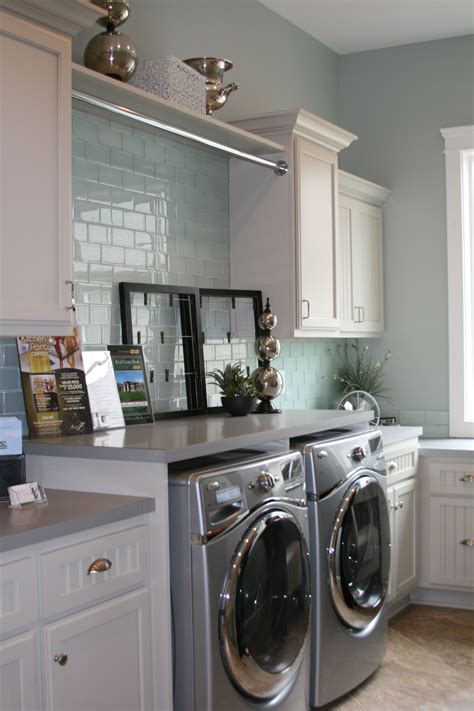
[(357, 371), (237, 390)]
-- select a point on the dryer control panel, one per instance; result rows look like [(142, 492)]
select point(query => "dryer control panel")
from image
[(225, 494)]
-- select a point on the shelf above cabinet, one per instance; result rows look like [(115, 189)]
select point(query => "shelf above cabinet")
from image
[(142, 102)]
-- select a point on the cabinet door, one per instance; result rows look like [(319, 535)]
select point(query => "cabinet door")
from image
[(451, 541), (317, 248), (404, 537), (19, 688), (393, 552), (360, 227), (101, 658), (35, 178)]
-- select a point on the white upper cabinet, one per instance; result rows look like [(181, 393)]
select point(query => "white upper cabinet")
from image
[(361, 242), (284, 236)]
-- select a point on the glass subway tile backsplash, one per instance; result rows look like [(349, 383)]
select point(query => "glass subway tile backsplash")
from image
[(153, 210)]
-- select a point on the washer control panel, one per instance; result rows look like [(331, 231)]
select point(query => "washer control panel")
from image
[(329, 462)]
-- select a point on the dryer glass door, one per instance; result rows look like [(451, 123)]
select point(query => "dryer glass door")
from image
[(265, 603), (359, 553)]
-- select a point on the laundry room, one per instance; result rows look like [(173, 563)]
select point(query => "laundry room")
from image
[(236, 355)]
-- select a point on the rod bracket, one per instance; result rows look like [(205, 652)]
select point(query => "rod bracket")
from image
[(281, 167)]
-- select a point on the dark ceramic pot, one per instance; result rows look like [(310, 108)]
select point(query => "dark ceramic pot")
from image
[(239, 406)]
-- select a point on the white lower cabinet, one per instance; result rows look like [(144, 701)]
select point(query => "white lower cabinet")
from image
[(401, 460), (19, 682), (447, 525), (97, 656), (100, 658)]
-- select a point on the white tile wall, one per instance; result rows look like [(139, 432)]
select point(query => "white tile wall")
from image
[(147, 209)]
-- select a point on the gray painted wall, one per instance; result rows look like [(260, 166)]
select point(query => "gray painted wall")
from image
[(397, 100), (277, 65)]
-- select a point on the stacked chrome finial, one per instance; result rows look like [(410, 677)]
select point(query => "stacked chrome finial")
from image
[(268, 380), (110, 52)]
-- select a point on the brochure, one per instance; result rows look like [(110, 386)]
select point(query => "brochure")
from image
[(132, 385), (104, 399), (54, 385)]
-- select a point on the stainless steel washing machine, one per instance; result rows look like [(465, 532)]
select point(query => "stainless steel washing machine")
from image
[(350, 557), (240, 584)]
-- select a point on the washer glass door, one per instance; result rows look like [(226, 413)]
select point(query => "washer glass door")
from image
[(359, 553), (264, 609)]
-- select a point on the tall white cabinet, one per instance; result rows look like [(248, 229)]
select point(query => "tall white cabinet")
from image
[(284, 234), (35, 162)]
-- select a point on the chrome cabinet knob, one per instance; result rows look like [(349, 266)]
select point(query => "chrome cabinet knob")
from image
[(265, 481), (322, 454), (60, 659)]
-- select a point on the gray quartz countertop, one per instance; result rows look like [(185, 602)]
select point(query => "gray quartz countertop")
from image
[(394, 434), (450, 447), (66, 512), (182, 438)]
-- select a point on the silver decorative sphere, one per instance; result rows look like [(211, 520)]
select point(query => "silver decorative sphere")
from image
[(118, 11), (113, 54), (267, 347), (268, 382), (267, 321)]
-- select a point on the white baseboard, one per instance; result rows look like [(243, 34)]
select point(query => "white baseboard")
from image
[(463, 599), (395, 607)]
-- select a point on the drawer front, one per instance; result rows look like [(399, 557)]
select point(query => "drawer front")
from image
[(401, 461), (65, 582), (451, 478), (18, 595)]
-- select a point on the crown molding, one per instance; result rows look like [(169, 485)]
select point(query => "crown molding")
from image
[(299, 122), (67, 16), (458, 138), (361, 189)]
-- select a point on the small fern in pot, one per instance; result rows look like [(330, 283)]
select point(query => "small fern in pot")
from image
[(237, 390)]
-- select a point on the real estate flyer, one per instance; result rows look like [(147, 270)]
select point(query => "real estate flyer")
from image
[(132, 385), (104, 399), (54, 385)]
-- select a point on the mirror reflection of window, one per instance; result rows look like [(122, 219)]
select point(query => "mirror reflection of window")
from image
[(228, 324)]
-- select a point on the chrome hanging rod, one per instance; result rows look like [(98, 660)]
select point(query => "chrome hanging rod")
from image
[(279, 167)]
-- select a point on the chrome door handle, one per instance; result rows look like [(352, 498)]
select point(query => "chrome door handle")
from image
[(363, 314), (467, 478), (467, 542), (73, 296), (101, 565), (305, 301)]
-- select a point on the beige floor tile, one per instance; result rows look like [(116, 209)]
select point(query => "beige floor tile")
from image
[(428, 665)]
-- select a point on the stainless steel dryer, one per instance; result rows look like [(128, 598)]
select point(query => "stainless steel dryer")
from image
[(350, 557), (240, 584)]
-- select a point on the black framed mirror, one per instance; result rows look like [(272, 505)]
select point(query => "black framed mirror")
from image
[(185, 333)]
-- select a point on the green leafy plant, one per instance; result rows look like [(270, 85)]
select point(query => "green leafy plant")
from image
[(233, 381), (357, 371)]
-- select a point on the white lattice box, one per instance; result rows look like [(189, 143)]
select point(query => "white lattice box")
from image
[(172, 79)]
